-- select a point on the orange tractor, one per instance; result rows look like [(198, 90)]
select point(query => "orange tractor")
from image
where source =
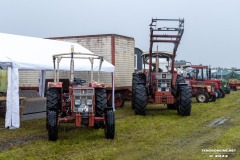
[(83, 105)]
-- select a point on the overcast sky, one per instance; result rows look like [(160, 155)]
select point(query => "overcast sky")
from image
[(211, 35)]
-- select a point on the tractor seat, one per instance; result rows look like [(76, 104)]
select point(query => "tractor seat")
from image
[(78, 81)]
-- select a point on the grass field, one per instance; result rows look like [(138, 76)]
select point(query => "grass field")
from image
[(161, 134)]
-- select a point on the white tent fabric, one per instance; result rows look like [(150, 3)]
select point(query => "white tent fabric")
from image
[(12, 108), (29, 53)]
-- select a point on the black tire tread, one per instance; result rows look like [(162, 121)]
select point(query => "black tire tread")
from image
[(223, 93), (52, 98), (52, 125), (52, 102), (109, 129), (185, 102), (137, 79), (227, 90), (100, 101), (140, 100), (179, 79)]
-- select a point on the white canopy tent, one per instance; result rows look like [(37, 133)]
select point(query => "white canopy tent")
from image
[(29, 53)]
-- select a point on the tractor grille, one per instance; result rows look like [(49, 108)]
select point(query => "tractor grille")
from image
[(83, 101), (164, 85), (164, 99), (80, 92)]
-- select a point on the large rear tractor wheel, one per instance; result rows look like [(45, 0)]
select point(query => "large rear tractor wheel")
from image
[(140, 99), (185, 102), (109, 128), (179, 79), (100, 101), (136, 80), (202, 97)]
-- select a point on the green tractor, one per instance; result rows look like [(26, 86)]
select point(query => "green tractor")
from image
[(224, 75), (225, 86)]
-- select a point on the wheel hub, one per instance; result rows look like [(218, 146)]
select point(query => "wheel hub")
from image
[(202, 98)]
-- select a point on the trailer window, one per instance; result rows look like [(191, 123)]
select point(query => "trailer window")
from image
[(135, 61)]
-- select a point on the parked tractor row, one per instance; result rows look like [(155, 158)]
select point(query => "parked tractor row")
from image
[(90, 104)]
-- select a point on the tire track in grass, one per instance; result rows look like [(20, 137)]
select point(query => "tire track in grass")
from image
[(12, 143)]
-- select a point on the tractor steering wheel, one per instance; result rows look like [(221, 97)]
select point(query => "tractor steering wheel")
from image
[(83, 81)]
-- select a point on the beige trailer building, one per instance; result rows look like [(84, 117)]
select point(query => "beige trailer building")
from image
[(116, 49)]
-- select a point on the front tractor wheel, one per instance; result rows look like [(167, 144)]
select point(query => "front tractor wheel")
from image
[(202, 97), (52, 117), (227, 90), (52, 114), (212, 98), (109, 128), (223, 93), (185, 102), (219, 94), (140, 99)]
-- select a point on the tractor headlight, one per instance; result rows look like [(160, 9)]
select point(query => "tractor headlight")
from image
[(164, 85), (89, 102), (83, 108), (213, 89), (77, 101)]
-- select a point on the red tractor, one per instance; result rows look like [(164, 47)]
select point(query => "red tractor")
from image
[(161, 86), (83, 105), (234, 84), (203, 88)]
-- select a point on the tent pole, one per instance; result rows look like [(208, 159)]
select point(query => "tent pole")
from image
[(58, 61), (91, 60), (55, 71), (100, 66)]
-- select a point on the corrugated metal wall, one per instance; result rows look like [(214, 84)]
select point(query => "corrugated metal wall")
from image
[(124, 60), (29, 78)]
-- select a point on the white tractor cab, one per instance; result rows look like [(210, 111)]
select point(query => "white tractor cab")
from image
[(83, 105), (161, 61)]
